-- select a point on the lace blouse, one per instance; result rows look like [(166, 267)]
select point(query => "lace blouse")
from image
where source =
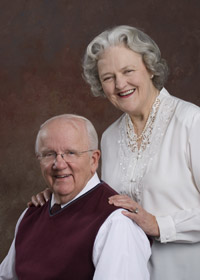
[(164, 177)]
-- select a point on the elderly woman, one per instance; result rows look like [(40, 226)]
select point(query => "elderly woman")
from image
[(150, 155)]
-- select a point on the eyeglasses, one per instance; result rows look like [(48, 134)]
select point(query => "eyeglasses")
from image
[(67, 156)]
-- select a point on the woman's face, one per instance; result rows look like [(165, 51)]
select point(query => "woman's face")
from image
[(126, 81)]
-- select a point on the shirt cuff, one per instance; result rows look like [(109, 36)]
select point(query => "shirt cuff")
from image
[(167, 229)]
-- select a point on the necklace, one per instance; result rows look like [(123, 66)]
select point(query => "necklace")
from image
[(147, 131)]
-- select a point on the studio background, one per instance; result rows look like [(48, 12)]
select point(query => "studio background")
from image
[(42, 43)]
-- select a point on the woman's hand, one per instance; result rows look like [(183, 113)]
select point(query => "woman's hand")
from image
[(136, 213), (40, 198)]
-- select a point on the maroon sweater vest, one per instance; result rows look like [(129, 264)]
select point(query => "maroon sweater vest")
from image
[(60, 246)]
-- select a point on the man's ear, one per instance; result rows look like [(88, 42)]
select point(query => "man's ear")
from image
[(95, 160)]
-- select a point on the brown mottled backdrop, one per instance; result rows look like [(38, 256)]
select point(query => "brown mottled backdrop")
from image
[(41, 46)]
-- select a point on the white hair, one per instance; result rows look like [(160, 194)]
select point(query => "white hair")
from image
[(91, 131), (135, 40)]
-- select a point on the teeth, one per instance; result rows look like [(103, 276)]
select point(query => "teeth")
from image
[(62, 176), (127, 92)]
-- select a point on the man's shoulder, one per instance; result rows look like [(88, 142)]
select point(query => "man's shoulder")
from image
[(106, 188), (98, 199), (33, 212), (120, 222)]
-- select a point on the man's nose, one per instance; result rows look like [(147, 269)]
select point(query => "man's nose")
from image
[(59, 162)]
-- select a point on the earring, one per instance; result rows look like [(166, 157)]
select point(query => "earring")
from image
[(152, 76)]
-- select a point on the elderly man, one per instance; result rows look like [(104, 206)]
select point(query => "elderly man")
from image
[(87, 238)]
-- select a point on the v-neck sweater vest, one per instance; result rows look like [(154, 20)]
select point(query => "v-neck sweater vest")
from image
[(60, 246)]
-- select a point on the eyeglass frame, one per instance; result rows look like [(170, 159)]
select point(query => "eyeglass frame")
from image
[(42, 158)]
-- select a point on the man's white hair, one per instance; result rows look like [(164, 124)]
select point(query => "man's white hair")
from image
[(92, 134)]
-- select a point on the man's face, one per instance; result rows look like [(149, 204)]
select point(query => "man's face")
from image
[(67, 179)]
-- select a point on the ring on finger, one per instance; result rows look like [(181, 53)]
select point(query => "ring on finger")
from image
[(136, 210)]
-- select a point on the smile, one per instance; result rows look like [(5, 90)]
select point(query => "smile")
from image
[(61, 176), (126, 93)]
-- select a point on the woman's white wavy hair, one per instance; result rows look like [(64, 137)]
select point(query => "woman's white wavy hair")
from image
[(131, 38)]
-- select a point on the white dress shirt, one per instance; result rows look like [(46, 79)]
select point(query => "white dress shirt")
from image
[(121, 249), (165, 180)]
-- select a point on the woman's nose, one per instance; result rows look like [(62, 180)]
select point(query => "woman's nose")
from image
[(120, 82)]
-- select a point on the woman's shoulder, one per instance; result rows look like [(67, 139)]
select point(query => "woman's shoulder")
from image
[(184, 110), (113, 129), (187, 111)]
